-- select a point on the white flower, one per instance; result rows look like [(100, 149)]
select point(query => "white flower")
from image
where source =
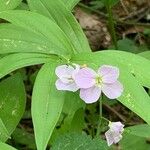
[(114, 134)]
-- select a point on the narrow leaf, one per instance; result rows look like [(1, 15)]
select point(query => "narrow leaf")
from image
[(9, 4), (57, 11), (15, 61), (4, 146), (41, 26), (47, 104), (70, 3), (12, 102)]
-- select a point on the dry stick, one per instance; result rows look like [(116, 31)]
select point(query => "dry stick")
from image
[(124, 7), (117, 20), (115, 112)]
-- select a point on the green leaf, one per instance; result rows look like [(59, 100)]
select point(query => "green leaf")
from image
[(57, 11), (4, 133), (16, 61), (142, 130), (70, 4), (134, 96), (132, 142), (76, 141), (4, 146), (42, 26), (12, 102), (47, 104), (17, 39), (145, 54), (9, 4)]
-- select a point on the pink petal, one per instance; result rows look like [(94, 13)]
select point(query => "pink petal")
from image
[(85, 78), (113, 90), (116, 126), (108, 73), (66, 87), (109, 137), (64, 71), (90, 95), (112, 137)]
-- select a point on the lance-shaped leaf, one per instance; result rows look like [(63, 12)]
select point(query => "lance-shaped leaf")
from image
[(58, 12), (6, 146), (9, 4), (17, 39), (12, 102), (134, 96), (47, 104), (70, 3), (13, 62), (42, 26)]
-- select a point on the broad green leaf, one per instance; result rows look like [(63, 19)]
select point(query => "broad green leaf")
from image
[(134, 96), (70, 3), (142, 130), (4, 146), (42, 26), (58, 12), (9, 4), (17, 39), (47, 104), (3, 132), (132, 142), (23, 6), (77, 141), (16, 61), (145, 54), (12, 102)]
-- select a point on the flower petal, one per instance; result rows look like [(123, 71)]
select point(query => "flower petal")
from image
[(113, 90), (90, 95), (64, 71), (108, 73), (66, 87), (116, 126), (85, 78), (109, 137)]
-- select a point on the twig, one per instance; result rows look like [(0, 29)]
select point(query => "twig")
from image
[(115, 112)]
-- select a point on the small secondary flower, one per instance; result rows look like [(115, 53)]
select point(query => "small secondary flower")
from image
[(66, 74), (91, 84), (114, 134)]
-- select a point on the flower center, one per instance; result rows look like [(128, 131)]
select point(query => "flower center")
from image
[(98, 81)]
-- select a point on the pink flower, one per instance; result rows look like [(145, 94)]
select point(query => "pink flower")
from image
[(91, 84), (66, 74), (114, 134)]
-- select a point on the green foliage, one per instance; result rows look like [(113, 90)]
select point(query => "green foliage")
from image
[(42, 26), (4, 146), (9, 4), (70, 4), (132, 142), (145, 54), (57, 12), (142, 130), (4, 133), (47, 104), (74, 141), (12, 103), (12, 62)]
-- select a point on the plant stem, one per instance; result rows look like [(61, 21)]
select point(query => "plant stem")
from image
[(100, 117), (111, 24)]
